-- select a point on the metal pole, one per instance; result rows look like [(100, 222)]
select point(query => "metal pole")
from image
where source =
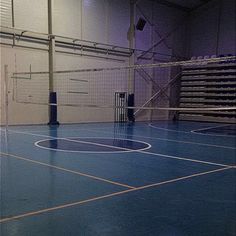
[(51, 45), (12, 13), (6, 95), (13, 20), (131, 79), (52, 93), (131, 46)]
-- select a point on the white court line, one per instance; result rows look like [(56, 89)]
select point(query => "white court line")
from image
[(196, 131), (67, 170), (17, 217), (172, 130), (210, 127), (138, 136), (70, 139), (162, 139), (144, 152)]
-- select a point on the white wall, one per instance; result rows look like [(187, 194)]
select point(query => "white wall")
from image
[(31, 15), (5, 13), (103, 21), (213, 31)]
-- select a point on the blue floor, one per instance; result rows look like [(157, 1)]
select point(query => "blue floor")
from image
[(164, 178)]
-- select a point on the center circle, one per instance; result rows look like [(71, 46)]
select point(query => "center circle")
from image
[(93, 145)]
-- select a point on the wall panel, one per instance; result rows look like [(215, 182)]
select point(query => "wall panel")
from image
[(6, 13), (68, 18), (31, 15)]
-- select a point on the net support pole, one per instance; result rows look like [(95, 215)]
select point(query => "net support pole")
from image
[(131, 79), (52, 93)]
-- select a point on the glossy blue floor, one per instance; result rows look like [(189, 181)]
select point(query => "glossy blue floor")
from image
[(160, 179)]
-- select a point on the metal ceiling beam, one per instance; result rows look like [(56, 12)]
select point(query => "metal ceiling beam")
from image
[(173, 5)]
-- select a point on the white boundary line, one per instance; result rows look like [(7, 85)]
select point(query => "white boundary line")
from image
[(210, 127), (42, 211), (70, 139), (172, 130), (196, 131), (138, 136), (165, 139), (150, 153)]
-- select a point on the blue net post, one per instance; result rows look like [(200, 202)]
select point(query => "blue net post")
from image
[(130, 112), (53, 109)]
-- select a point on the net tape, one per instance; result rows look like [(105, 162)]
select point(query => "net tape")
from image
[(197, 62)]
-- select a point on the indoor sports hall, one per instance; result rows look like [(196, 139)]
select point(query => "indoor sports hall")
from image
[(118, 118)]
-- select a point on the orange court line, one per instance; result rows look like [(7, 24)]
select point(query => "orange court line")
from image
[(108, 195), (67, 170)]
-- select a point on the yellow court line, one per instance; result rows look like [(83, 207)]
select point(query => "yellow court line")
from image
[(108, 195), (67, 170)]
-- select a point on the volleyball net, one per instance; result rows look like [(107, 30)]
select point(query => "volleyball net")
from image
[(153, 91)]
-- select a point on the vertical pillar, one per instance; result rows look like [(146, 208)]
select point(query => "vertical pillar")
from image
[(52, 93), (131, 79), (6, 95), (12, 14), (13, 20), (153, 58)]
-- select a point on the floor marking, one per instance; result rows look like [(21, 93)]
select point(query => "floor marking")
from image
[(196, 131), (215, 135), (151, 153), (67, 170), (163, 139), (138, 136), (17, 217), (210, 127), (70, 139), (172, 130), (185, 159)]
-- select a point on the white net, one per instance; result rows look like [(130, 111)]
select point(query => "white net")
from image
[(160, 87), (75, 88)]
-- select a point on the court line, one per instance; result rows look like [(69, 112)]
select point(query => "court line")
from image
[(72, 139), (138, 136), (149, 153), (196, 131), (172, 130), (215, 135), (184, 159), (67, 170), (46, 210), (210, 127), (163, 139)]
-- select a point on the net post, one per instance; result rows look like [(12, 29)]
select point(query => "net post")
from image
[(53, 109), (52, 93), (130, 112)]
